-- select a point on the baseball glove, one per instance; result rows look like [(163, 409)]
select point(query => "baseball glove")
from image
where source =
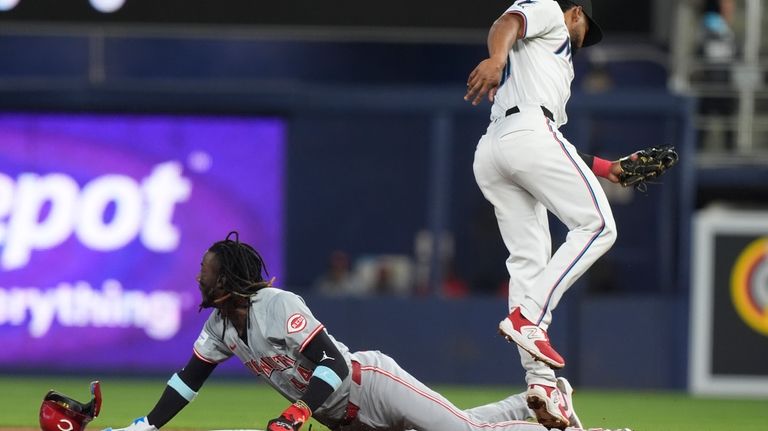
[(650, 163)]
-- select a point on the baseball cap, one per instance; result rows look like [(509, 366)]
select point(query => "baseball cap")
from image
[(594, 34)]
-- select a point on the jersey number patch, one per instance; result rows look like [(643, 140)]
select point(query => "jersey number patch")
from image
[(296, 323)]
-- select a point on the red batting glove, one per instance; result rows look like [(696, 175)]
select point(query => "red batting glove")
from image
[(292, 418)]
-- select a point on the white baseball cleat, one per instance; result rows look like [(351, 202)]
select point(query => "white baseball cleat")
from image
[(534, 340), (567, 391), (549, 406)]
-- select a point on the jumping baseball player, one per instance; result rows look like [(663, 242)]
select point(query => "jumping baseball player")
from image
[(524, 166), (276, 336)]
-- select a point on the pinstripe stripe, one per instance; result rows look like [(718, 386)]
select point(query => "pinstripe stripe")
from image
[(505, 74), (592, 240)]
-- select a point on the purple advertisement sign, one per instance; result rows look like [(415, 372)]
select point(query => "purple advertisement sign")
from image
[(103, 223)]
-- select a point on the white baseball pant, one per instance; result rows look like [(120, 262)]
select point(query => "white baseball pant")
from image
[(524, 167)]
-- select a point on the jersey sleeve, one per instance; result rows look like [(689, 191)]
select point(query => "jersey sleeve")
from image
[(538, 16), (292, 321), (209, 346)]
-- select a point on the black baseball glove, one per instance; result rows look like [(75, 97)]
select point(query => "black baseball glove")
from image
[(649, 164)]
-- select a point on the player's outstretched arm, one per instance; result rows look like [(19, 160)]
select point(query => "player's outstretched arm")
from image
[(485, 78), (329, 373), (181, 390), (610, 170)]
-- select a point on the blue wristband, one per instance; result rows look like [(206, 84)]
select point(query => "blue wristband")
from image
[(328, 376), (179, 386)]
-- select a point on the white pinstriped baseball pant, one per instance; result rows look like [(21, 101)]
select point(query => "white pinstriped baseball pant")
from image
[(524, 167)]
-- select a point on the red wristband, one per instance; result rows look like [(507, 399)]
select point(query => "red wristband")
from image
[(601, 167)]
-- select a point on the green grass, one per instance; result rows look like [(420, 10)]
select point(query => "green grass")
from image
[(236, 404)]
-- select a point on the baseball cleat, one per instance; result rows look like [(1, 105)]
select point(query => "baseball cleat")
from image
[(547, 403), (534, 340), (567, 391)]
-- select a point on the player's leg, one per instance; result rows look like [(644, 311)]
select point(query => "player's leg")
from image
[(522, 220), (514, 407), (524, 227), (549, 406), (390, 398), (542, 395), (571, 191), (547, 166)]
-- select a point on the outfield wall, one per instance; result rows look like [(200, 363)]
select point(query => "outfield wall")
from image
[(607, 341)]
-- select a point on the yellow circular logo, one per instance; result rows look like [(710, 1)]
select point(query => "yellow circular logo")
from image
[(749, 285)]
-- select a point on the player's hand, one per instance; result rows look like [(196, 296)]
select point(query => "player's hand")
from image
[(484, 80), (139, 424), (282, 424), (291, 419), (616, 169)]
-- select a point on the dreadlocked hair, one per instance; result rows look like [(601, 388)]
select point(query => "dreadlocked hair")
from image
[(240, 269), (240, 266)]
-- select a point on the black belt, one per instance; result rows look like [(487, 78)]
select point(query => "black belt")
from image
[(515, 110)]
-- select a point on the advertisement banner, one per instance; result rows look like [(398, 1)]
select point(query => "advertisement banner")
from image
[(104, 220), (729, 312)]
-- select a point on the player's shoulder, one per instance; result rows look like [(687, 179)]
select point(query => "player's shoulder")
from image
[(273, 293), (267, 293), (544, 8), (535, 5), (271, 297)]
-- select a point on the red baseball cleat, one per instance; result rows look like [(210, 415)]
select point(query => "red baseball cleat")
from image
[(547, 403), (534, 340)]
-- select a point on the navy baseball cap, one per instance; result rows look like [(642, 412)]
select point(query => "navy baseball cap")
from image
[(594, 34)]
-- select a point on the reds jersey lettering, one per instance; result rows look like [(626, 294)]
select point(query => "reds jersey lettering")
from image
[(267, 365), (301, 387), (305, 373)]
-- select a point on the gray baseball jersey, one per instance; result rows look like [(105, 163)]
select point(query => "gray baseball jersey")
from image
[(385, 396), (281, 326)]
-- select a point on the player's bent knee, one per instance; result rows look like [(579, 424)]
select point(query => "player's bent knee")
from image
[(609, 234)]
